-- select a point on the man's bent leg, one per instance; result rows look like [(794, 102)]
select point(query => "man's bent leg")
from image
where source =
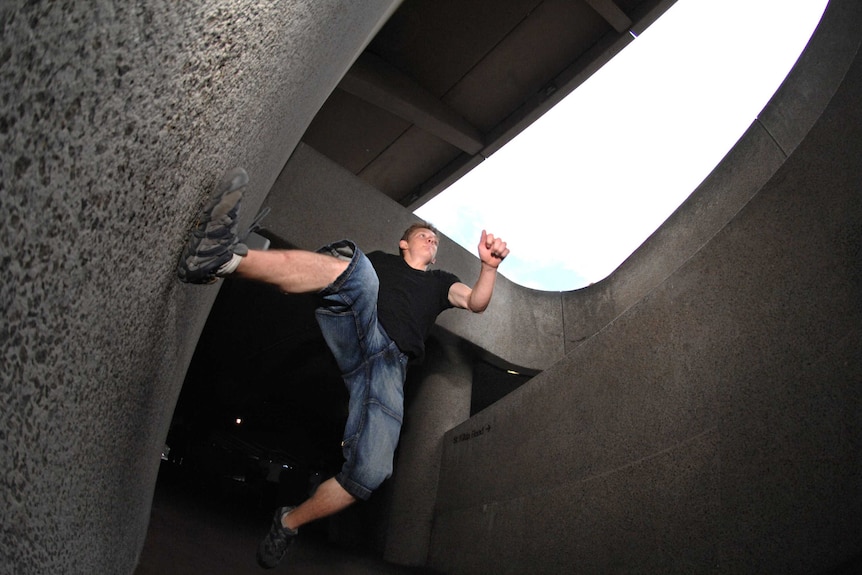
[(214, 249), (292, 271), (330, 498)]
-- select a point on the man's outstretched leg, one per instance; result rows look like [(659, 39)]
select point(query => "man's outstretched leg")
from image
[(330, 498), (214, 249), (291, 271)]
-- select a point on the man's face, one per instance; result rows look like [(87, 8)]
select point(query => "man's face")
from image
[(422, 244)]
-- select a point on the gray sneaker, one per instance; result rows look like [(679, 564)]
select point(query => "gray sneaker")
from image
[(275, 544), (214, 240)]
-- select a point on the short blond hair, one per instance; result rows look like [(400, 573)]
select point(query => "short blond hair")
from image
[(408, 233)]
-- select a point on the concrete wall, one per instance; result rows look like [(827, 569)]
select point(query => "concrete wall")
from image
[(115, 120), (707, 416)]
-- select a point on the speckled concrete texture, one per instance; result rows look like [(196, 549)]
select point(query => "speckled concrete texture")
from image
[(116, 118)]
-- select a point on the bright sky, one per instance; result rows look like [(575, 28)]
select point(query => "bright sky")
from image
[(578, 191)]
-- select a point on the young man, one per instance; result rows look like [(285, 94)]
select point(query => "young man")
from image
[(375, 313)]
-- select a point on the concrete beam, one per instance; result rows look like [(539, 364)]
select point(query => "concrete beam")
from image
[(378, 83), (609, 10)]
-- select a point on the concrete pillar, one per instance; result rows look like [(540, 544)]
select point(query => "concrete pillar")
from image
[(437, 399)]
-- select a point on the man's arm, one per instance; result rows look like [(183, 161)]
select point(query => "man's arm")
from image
[(492, 251)]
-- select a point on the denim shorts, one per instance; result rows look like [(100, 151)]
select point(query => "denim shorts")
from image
[(373, 369)]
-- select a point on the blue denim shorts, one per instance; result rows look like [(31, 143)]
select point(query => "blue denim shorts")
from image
[(373, 368)]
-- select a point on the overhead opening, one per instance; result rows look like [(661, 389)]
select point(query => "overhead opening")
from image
[(579, 190)]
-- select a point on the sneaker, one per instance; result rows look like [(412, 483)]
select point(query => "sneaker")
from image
[(275, 544), (214, 241)]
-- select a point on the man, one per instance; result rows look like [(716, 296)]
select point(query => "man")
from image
[(375, 313)]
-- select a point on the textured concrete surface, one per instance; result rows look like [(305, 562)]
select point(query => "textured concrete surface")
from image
[(713, 426), (115, 120)]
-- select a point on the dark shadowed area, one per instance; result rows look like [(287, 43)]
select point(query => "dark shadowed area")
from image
[(258, 425)]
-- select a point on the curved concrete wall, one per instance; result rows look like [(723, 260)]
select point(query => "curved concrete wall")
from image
[(707, 416), (761, 151), (115, 120)]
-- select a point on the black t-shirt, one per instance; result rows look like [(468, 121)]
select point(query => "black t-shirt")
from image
[(409, 300)]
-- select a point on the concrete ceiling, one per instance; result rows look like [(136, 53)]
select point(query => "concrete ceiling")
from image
[(445, 83)]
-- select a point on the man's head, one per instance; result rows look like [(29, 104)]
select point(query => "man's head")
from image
[(419, 226), (419, 242)]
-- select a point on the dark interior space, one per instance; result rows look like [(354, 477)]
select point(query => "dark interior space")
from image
[(258, 422), (491, 383), (262, 381), (257, 425)]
